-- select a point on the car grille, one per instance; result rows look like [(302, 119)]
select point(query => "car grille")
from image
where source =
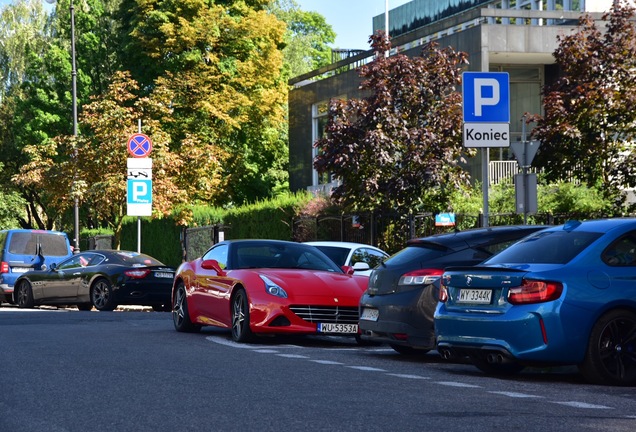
[(326, 314)]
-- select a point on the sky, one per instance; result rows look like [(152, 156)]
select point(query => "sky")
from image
[(351, 20)]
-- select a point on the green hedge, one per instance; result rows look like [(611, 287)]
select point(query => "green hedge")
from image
[(162, 237)]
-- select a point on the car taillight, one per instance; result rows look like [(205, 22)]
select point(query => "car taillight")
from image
[(4, 267), (137, 273), (421, 277), (535, 291), (443, 291)]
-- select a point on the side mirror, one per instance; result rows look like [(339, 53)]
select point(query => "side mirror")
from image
[(213, 265), (361, 265), (347, 269)]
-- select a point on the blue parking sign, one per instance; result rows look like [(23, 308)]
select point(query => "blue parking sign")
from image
[(486, 97)]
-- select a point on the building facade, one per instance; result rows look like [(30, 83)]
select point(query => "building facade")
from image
[(513, 36)]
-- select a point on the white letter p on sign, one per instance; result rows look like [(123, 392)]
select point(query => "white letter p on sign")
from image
[(140, 190), (480, 100)]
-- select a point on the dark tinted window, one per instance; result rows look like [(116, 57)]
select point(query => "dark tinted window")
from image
[(337, 254), (622, 252), (282, 255), (416, 253), (25, 243), (135, 259), (546, 247)]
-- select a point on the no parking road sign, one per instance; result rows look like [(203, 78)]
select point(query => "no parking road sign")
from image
[(139, 145)]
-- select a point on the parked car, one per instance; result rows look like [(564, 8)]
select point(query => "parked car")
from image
[(362, 257), (398, 306), (258, 287), (102, 279), (563, 296), (23, 250)]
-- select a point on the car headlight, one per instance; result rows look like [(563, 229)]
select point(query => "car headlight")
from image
[(273, 288)]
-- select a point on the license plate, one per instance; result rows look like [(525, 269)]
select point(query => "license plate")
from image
[(475, 296), (370, 314), (337, 328), (20, 269), (164, 275)]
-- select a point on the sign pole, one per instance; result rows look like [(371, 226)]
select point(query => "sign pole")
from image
[(139, 217)]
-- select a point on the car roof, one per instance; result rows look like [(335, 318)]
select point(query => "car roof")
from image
[(596, 225), (350, 245), (474, 236)]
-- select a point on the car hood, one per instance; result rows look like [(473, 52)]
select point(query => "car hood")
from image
[(306, 284)]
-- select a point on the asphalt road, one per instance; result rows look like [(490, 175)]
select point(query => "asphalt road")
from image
[(65, 370)]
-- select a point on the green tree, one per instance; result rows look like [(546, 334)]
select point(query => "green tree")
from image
[(400, 147), (222, 66), (307, 37), (95, 162), (589, 125)]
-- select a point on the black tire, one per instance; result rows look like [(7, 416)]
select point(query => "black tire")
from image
[(408, 350), (180, 314), (611, 351), (241, 317), (24, 295), (102, 296), (85, 306)]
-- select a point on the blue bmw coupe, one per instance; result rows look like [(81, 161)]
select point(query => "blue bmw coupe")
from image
[(565, 295)]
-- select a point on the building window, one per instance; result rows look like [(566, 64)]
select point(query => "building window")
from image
[(319, 113)]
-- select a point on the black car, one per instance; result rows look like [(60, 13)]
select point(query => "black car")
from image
[(102, 279), (398, 306)]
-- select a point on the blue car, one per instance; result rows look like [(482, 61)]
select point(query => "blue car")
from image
[(565, 295)]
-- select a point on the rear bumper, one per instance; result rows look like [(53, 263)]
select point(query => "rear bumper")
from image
[(404, 318)]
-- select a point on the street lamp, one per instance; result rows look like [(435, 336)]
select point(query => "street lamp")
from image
[(74, 93)]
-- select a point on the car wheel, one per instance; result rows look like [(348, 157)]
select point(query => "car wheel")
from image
[(611, 350), (85, 306), (24, 295), (180, 315), (408, 350), (241, 317), (102, 295)]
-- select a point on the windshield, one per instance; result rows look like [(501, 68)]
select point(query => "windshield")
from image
[(546, 247), (282, 255)]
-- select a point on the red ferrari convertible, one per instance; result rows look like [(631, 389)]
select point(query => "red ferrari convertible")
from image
[(266, 287)]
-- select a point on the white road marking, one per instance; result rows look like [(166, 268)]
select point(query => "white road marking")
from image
[(266, 349), (408, 376), (515, 395), (327, 362), (575, 404), (456, 384), (367, 368)]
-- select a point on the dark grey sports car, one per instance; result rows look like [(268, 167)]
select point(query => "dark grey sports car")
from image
[(102, 279)]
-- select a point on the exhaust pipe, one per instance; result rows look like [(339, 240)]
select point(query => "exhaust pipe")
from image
[(446, 354), (494, 358)]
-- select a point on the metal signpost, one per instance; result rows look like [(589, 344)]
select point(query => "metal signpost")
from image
[(139, 183), (525, 183), (486, 108)]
